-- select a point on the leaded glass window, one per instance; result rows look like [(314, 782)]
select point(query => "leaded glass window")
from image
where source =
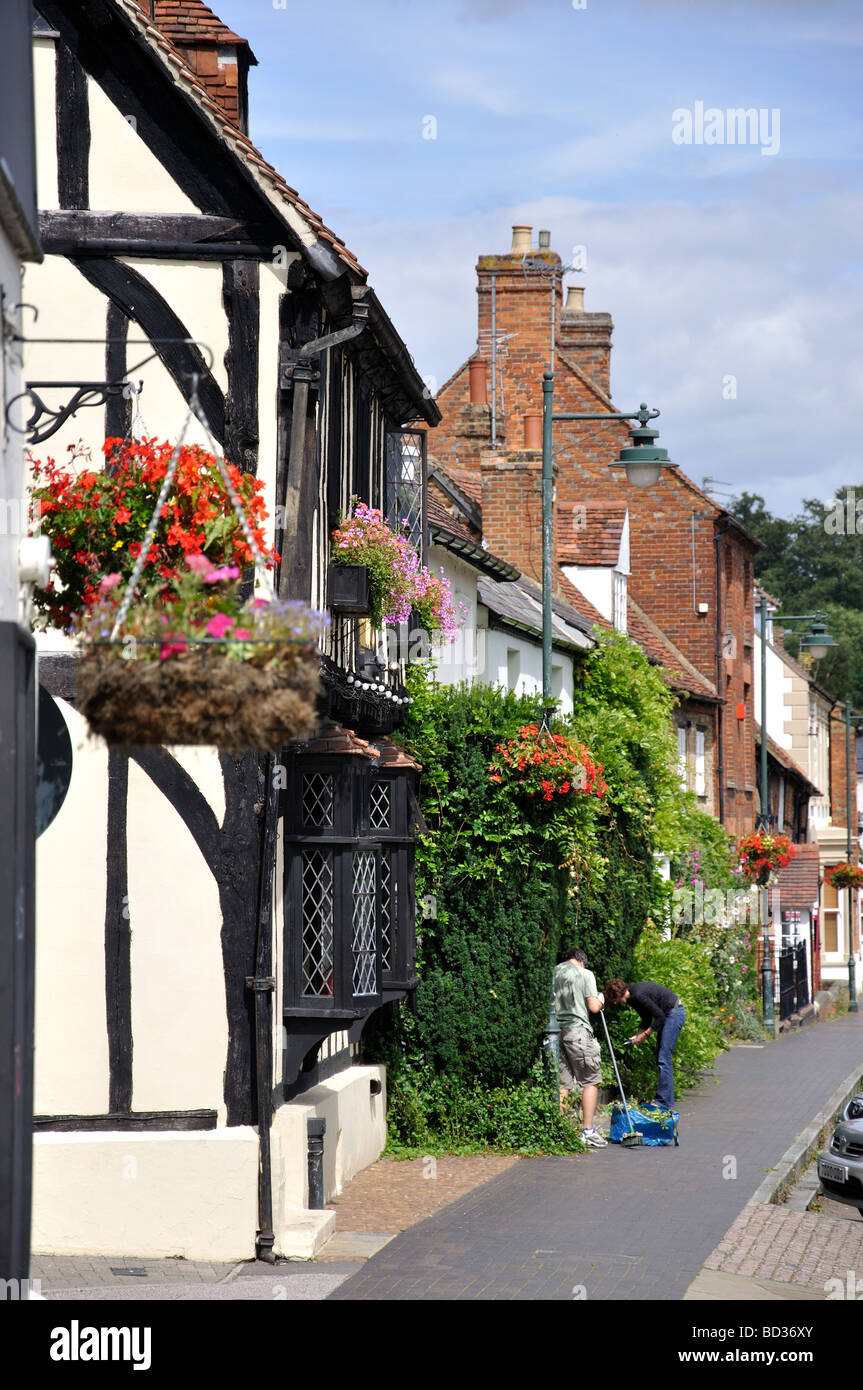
[(363, 938), (318, 923)]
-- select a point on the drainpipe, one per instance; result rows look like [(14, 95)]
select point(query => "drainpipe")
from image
[(263, 984)]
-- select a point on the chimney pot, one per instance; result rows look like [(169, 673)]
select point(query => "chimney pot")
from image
[(545, 241), (574, 300), (478, 381), (533, 430), (520, 240)]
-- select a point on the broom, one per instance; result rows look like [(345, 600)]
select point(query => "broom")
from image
[(634, 1139)]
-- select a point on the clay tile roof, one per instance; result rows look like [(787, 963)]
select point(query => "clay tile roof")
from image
[(240, 143), (469, 482), (392, 756), (591, 536), (334, 738), (680, 672), (798, 881), (439, 512)]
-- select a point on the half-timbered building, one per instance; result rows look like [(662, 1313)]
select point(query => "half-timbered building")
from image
[(213, 932)]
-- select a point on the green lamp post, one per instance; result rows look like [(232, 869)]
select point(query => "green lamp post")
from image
[(643, 461)]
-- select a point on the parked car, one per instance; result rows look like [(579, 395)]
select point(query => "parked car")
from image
[(840, 1167)]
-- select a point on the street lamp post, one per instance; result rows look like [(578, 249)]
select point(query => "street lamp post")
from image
[(643, 461)]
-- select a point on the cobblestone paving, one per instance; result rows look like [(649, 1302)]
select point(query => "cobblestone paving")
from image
[(790, 1247), (623, 1224), (394, 1194)]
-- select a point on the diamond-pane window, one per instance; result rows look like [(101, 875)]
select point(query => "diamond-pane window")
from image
[(318, 923), (387, 886), (379, 806), (406, 485), (317, 799), (363, 942)]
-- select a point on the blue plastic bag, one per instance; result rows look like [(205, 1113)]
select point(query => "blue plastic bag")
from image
[(655, 1126)]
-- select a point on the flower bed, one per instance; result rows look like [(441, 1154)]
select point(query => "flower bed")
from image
[(96, 520), (196, 664)]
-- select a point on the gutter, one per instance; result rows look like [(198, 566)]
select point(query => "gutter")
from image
[(474, 554)]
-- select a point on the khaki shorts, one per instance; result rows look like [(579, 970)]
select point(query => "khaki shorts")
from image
[(580, 1062)]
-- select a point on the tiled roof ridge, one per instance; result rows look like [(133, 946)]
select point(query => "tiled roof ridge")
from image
[(208, 27), (247, 151)]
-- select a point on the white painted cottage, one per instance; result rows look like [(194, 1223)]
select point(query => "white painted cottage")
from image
[(212, 932)]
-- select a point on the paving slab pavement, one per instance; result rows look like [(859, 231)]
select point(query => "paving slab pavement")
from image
[(624, 1224), (97, 1278)]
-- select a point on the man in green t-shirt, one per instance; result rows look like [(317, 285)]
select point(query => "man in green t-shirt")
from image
[(575, 999)]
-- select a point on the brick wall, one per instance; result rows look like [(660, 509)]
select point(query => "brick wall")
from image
[(512, 509), (675, 529)]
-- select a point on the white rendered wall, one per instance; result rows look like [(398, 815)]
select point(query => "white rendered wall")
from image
[(152, 1196), (597, 585), (179, 1018), (463, 659), (46, 122), (779, 683), (123, 171), (530, 667), (71, 1067)]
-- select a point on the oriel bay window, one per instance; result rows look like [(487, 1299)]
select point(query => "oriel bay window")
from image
[(348, 885)]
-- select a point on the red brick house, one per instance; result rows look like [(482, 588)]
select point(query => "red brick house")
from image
[(688, 572)]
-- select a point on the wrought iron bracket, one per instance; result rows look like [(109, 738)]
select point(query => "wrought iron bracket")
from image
[(86, 393)]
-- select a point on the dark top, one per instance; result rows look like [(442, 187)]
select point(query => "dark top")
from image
[(653, 1003)]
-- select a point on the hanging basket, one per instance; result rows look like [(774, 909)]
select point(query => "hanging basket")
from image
[(193, 667), (199, 698)]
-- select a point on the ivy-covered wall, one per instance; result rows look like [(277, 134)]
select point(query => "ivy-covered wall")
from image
[(515, 876)]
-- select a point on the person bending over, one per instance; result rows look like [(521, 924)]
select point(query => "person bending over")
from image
[(662, 1013)]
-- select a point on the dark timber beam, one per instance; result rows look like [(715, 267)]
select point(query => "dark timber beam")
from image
[(72, 115), (242, 308), (85, 226), (139, 300), (118, 409)]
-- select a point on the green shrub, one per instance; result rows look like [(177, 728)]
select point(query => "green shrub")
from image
[(437, 1114), (683, 967)]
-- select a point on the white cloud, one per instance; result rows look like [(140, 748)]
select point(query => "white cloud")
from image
[(757, 289)]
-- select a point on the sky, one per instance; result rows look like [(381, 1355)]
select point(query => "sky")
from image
[(732, 267)]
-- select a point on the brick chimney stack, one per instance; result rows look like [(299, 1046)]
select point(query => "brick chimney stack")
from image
[(219, 58), (523, 289), (512, 509), (586, 338)]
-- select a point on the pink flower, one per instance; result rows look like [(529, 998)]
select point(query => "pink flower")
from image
[(242, 633), (172, 648), (226, 572), (109, 582), (218, 626), (200, 564)]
